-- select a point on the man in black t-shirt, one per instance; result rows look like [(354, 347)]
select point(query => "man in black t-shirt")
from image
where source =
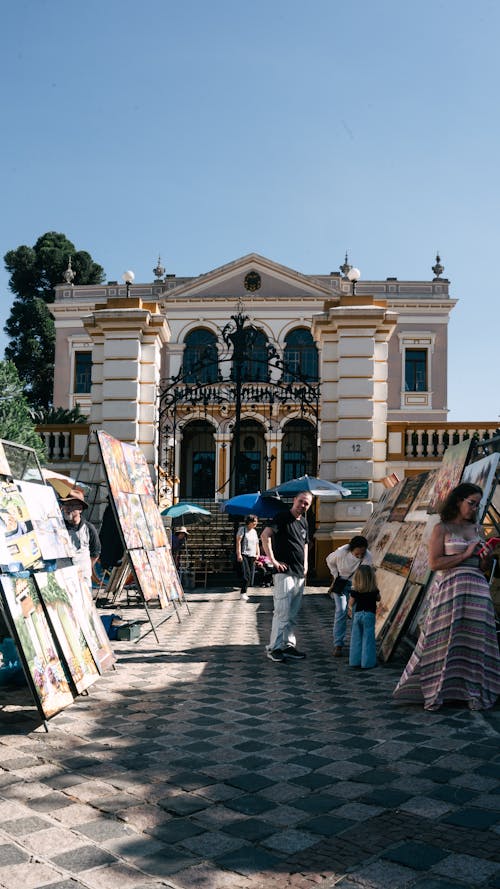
[(285, 542)]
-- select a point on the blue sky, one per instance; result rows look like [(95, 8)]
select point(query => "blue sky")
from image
[(206, 130)]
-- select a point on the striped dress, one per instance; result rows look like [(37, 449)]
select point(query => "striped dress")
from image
[(456, 657)]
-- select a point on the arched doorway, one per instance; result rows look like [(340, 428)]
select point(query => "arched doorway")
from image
[(299, 450), (198, 461), (252, 462)]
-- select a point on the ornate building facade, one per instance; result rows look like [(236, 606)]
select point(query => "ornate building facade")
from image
[(254, 373)]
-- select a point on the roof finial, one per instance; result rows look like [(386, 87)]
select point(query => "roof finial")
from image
[(345, 268), (159, 271), (69, 274), (438, 269)]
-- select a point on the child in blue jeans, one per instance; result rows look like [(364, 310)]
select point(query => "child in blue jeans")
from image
[(362, 607)]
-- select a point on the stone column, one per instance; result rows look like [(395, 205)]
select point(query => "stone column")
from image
[(354, 336), (127, 336)]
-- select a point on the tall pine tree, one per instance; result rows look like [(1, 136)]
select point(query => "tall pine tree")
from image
[(34, 272)]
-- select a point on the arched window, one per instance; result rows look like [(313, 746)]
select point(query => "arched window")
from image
[(200, 357), (255, 367), (198, 461), (301, 356), (299, 450)]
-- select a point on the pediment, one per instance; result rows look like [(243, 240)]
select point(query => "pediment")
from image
[(277, 281)]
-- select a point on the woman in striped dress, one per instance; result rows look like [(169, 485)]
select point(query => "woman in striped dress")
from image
[(456, 657)]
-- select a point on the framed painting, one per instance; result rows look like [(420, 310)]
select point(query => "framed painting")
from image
[(482, 473), (390, 586), (418, 511), (44, 669), (66, 627), (114, 463), (17, 530), (169, 573), (409, 491), (132, 521), (403, 548), (420, 571), (87, 617), (449, 474), (48, 523), (148, 582), (154, 522), (401, 615), (138, 470), (379, 546)]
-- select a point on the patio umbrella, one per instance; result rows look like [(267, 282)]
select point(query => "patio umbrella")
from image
[(188, 512), (254, 504), (316, 486)]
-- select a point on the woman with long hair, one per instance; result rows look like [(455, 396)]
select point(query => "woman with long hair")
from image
[(456, 657)]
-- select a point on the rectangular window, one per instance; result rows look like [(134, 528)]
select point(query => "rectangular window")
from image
[(83, 372), (416, 370)]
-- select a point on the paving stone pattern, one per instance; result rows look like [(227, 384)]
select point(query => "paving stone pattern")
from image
[(200, 764)]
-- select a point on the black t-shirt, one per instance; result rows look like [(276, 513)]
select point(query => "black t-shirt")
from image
[(365, 601), (290, 537)]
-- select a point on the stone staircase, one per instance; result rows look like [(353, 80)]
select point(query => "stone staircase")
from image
[(209, 556)]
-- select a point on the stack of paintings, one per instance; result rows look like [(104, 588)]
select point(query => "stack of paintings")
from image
[(398, 533), (58, 633), (133, 498)]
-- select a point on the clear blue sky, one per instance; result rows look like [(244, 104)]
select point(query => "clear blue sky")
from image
[(206, 130)]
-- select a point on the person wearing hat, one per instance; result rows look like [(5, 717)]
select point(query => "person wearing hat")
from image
[(83, 535), (179, 540)]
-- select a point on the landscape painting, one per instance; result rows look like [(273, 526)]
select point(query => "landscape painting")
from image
[(35, 642), (391, 586)]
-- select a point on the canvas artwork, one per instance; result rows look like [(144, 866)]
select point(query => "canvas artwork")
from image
[(87, 617), (154, 522), (133, 521), (482, 473), (403, 548), (16, 528), (4, 463), (449, 473), (380, 513), (150, 585), (138, 470), (36, 644), (158, 569), (390, 586), (402, 613), (114, 463), (169, 573), (420, 571), (409, 491), (418, 511), (379, 546), (67, 629), (47, 519)]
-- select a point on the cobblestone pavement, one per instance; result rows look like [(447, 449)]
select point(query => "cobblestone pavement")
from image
[(200, 764)]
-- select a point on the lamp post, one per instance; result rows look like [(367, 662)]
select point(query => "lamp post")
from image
[(353, 276), (129, 279)]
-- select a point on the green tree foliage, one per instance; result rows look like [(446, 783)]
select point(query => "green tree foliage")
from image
[(34, 273), (15, 417)]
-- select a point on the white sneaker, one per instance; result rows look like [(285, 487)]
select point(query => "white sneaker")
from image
[(244, 597)]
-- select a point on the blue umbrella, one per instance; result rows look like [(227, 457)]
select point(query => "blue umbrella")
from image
[(254, 504), (315, 486), (188, 512)]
